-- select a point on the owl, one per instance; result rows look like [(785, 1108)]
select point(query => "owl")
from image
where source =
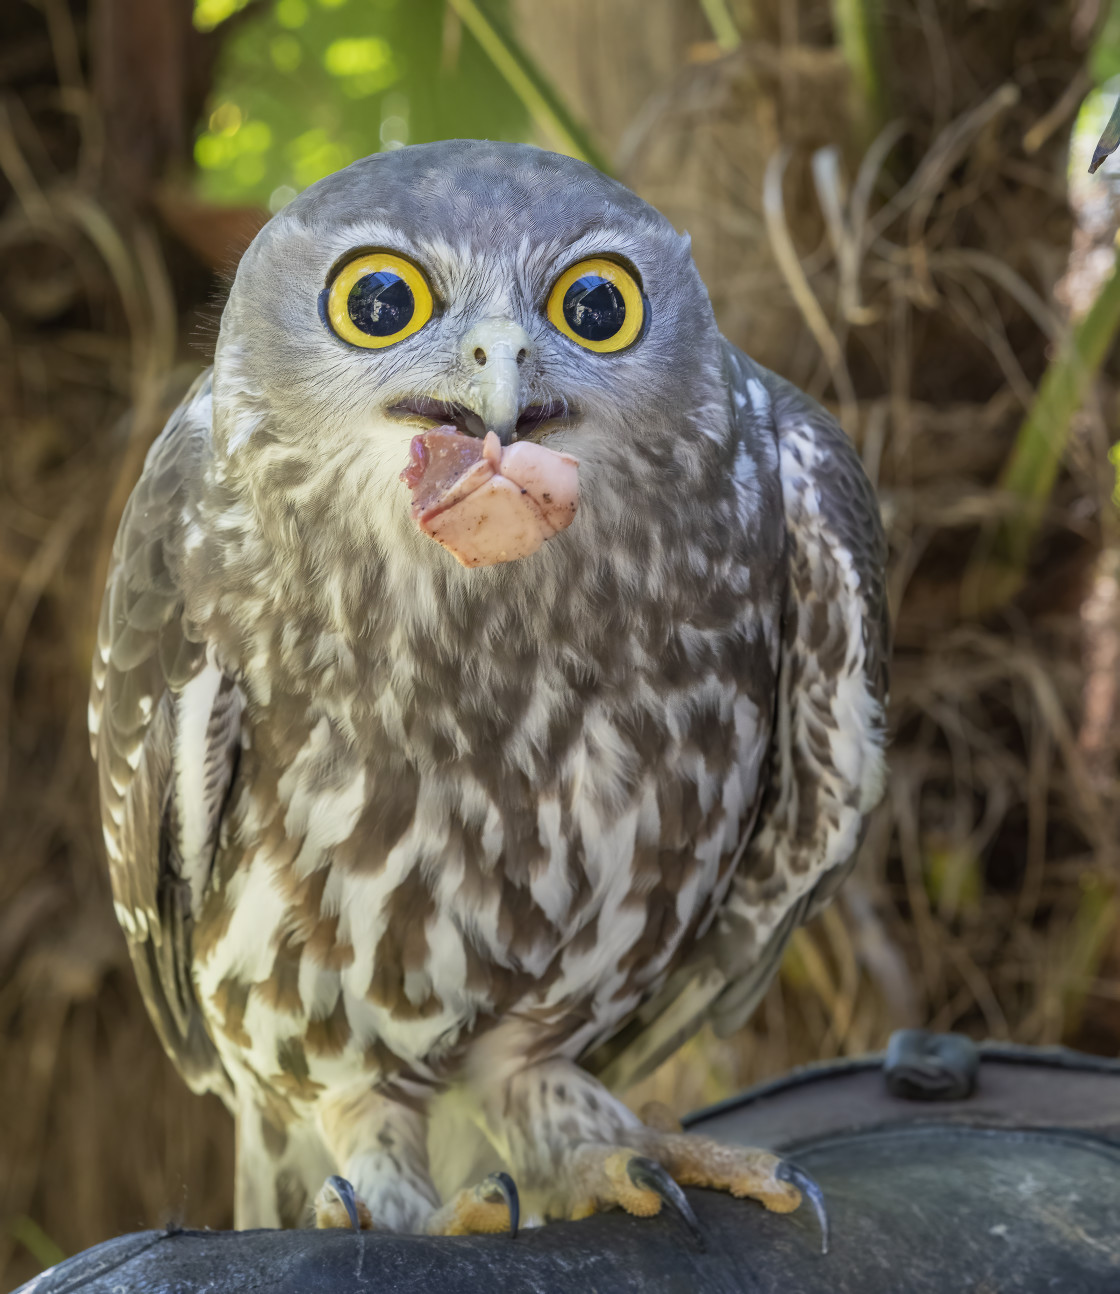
[(465, 829)]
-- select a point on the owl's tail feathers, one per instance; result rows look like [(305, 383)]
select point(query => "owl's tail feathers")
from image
[(278, 1170)]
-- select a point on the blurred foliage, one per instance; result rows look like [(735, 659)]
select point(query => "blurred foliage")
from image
[(1104, 60), (549, 111), (1099, 118), (1093, 925), (954, 878), (723, 25), (1092, 299), (859, 32), (309, 86), (35, 1240), (1104, 66)]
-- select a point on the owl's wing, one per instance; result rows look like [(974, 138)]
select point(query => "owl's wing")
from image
[(165, 732), (826, 760)]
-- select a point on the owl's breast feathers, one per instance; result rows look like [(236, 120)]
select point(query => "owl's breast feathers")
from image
[(427, 811), (527, 807)]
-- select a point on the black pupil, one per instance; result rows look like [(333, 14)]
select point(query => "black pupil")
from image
[(381, 304), (594, 308)]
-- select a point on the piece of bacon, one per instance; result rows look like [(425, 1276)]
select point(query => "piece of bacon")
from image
[(486, 504)]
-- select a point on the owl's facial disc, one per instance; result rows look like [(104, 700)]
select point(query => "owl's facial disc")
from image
[(379, 299)]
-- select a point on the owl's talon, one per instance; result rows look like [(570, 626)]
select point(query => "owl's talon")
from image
[(648, 1175), (337, 1197), (787, 1171), (487, 1209), (502, 1186)]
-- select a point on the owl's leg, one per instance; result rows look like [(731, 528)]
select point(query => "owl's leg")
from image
[(278, 1168), (579, 1151), (379, 1141)]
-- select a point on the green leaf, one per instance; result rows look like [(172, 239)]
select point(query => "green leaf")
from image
[(723, 25), (1109, 139), (996, 576), (35, 1240), (859, 32)]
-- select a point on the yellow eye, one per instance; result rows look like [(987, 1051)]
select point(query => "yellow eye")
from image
[(598, 304), (378, 299)]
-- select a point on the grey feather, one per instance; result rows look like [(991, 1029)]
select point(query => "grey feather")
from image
[(144, 660)]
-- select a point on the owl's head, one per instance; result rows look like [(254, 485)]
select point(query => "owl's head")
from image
[(494, 286)]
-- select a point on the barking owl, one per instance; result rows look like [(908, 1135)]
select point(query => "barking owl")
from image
[(486, 818)]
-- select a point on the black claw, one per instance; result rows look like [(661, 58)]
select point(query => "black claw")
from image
[(347, 1197), (788, 1172), (650, 1176), (507, 1189)]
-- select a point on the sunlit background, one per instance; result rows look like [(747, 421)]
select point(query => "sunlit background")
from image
[(889, 202), (310, 85)]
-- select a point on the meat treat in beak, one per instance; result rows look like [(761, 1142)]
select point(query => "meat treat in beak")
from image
[(486, 504)]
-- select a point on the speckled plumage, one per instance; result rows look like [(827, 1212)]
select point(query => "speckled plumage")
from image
[(378, 825)]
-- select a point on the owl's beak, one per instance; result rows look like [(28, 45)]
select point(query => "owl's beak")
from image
[(494, 352)]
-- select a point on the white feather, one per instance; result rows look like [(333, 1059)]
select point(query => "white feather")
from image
[(193, 708)]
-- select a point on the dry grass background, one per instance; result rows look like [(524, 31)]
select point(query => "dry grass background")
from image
[(908, 278)]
